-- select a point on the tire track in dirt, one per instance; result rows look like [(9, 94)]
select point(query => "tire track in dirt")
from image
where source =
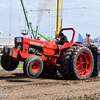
[(20, 87)]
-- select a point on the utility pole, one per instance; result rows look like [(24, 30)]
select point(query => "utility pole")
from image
[(58, 26)]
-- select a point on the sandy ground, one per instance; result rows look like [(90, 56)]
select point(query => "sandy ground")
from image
[(16, 86)]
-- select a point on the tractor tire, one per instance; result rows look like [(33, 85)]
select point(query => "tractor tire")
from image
[(8, 64), (65, 60), (82, 63), (25, 64), (33, 66)]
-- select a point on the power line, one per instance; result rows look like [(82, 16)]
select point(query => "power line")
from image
[(56, 9)]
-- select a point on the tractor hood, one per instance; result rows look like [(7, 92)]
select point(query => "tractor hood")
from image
[(34, 42)]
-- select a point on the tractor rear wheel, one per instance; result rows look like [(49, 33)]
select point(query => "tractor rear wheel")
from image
[(65, 62), (8, 64), (33, 66), (82, 63)]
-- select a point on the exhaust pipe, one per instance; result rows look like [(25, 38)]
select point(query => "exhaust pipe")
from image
[(37, 31)]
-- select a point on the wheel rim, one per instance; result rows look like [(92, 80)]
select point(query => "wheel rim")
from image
[(11, 62), (84, 63), (35, 67)]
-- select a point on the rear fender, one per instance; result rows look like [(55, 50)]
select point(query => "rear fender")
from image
[(66, 46)]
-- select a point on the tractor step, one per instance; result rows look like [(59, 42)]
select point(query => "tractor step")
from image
[(56, 56), (57, 64)]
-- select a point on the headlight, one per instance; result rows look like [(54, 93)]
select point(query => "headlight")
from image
[(18, 39)]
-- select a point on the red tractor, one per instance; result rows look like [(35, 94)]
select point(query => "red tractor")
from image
[(40, 57)]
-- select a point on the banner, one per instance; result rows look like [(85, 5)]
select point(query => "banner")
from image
[(80, 38), (98, 38)]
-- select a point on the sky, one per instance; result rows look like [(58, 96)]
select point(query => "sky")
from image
[(84, 19)]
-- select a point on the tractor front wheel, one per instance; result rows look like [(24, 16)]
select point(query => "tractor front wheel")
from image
[(26, 62), (33, 66), (8, 64)]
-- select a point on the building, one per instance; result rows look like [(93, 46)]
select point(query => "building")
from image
[(5, 42)]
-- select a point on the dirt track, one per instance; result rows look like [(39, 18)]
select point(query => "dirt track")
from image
[(15, 86)]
